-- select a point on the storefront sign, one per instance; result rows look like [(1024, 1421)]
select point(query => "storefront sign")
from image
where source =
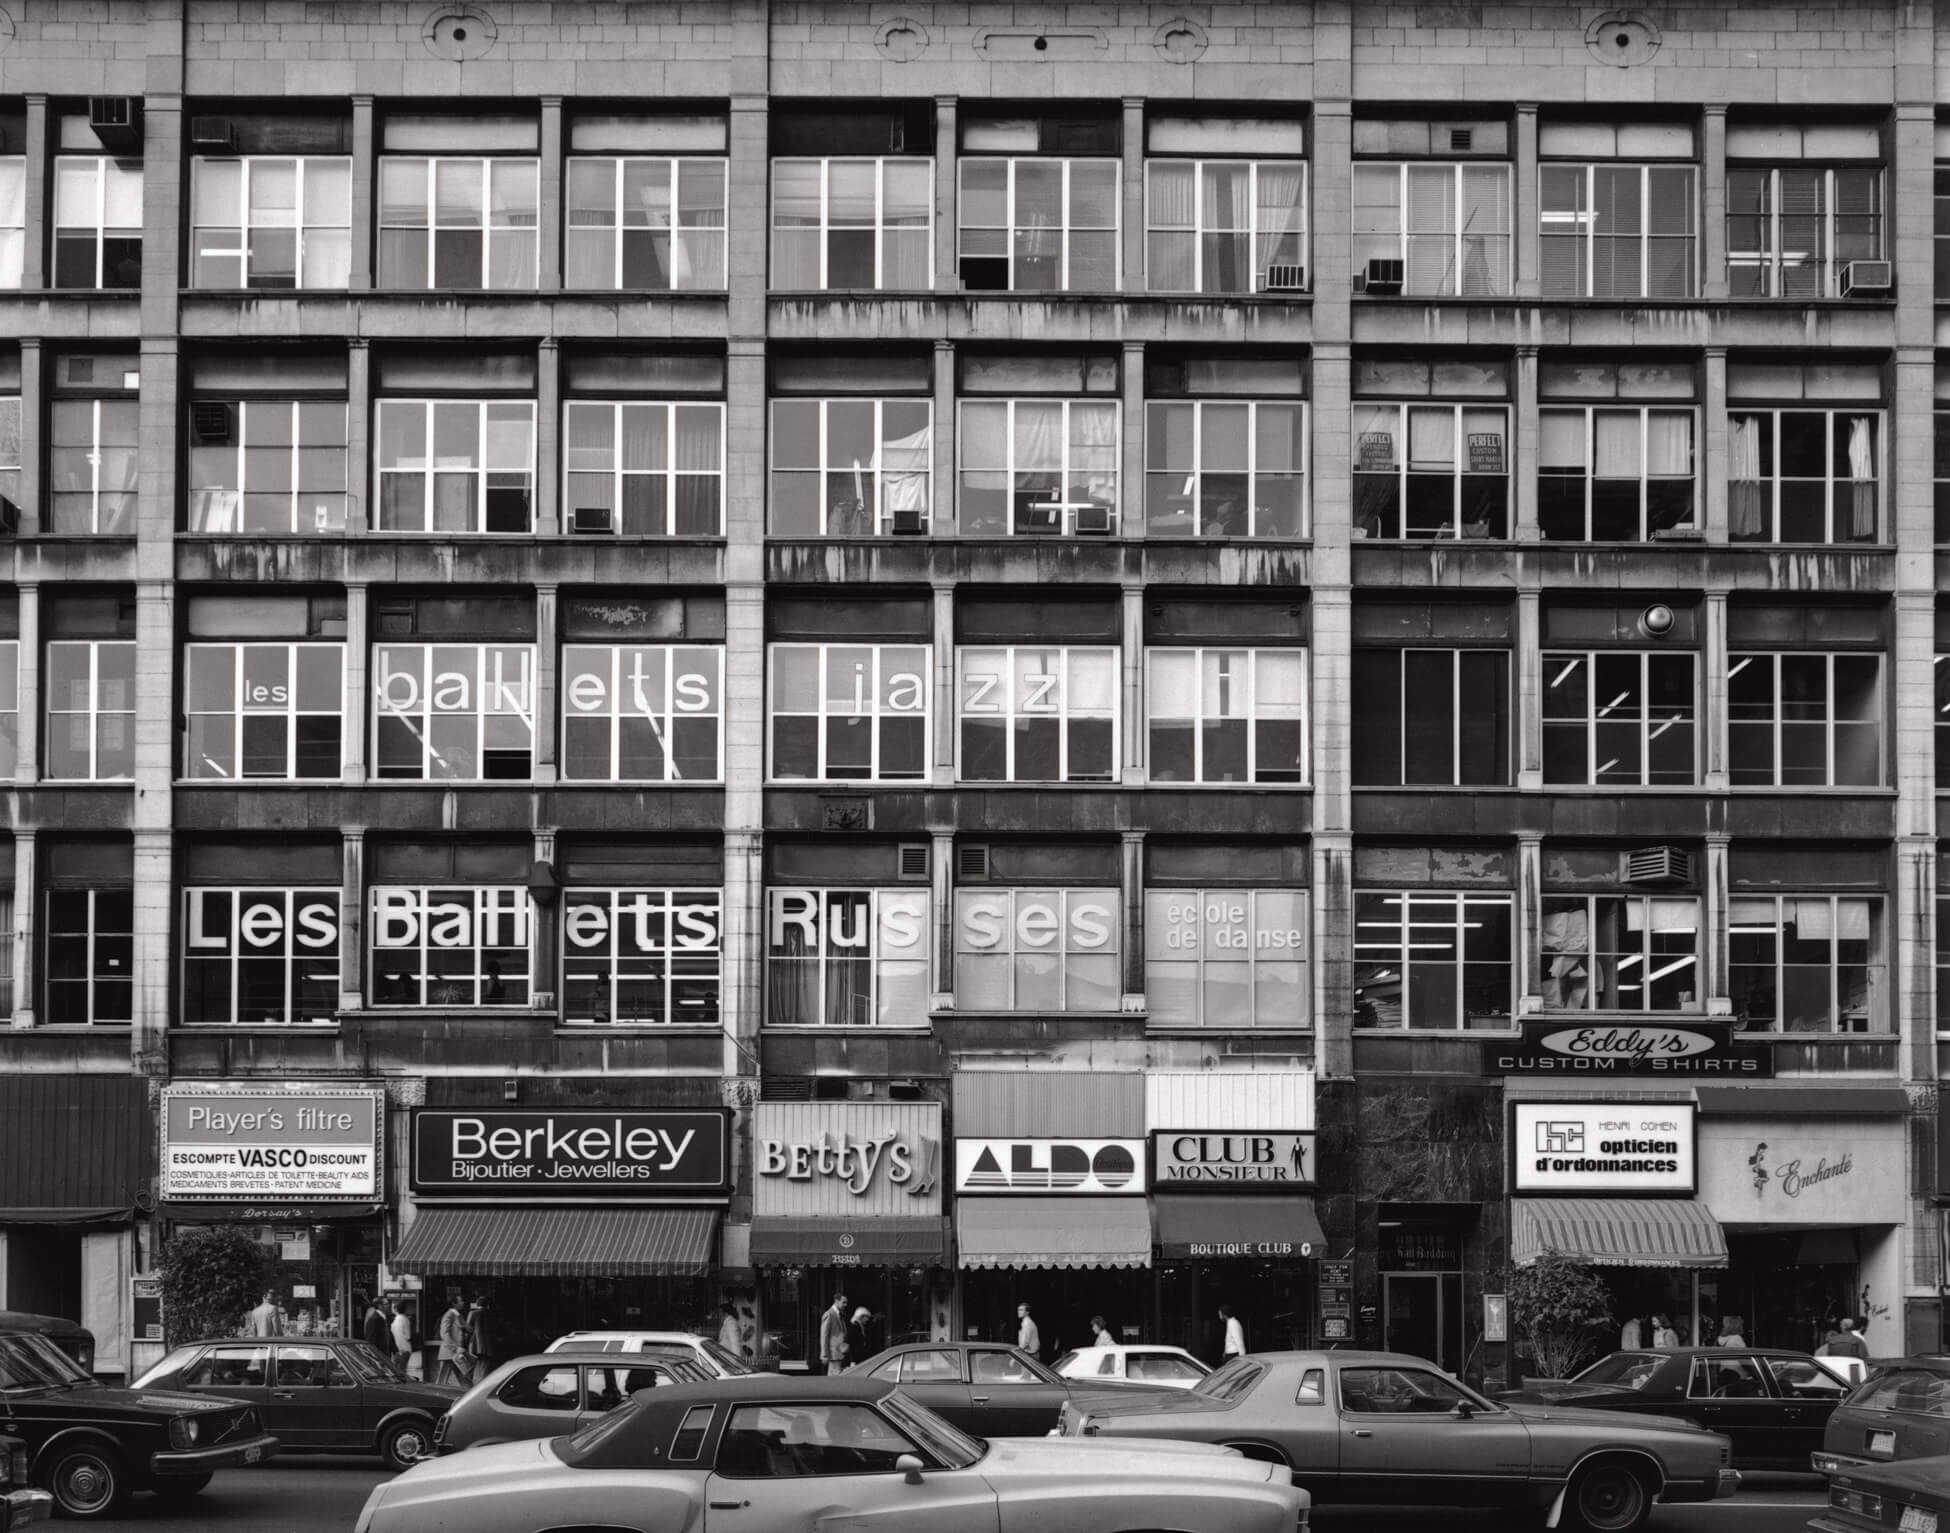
[(520, 1152), (1336, 1275), (1781, 1171), (315, 1146), (1586, 1147), (1190, 1158), (847, 1158), (1049, 1165), (1629, 1048)]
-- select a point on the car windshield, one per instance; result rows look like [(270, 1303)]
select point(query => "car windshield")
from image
[(955, 1448), (726, 1359), (577, 1447), (368, 1364), (170, 1366), (1064, 1361), (1622, 1370), (34, 1362)]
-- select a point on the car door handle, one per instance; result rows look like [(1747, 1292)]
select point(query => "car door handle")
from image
[(280, 1394), (979, 1399), (728, 1506), (1362, 1432)]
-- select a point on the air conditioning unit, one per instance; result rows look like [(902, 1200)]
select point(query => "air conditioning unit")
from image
[(1093, 521), (1689, 533), (1385, 276), (1659, 865), (1868, 279), (1285, 279), (914, 861), (910, 524), (971, 864), (210, 420), (116, 121), (212, 135), (591, 519)]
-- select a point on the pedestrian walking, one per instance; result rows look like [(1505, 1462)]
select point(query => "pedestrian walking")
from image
[(1843, 1341), (731, 1335), (833, 1342), (1099, 1335), (264, 1319), (1731, 1332), (859, 1336), (453, 1344), (1630, 1339), (1663, 1335), (404, 1356), (1027, 1336), (481, 1334), (1235, 1342)]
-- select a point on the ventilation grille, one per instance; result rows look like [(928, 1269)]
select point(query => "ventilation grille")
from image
[(971, 864), (1385, 275), (914, 860), (1659, 865), (1286, 278), (1460, 139), (210, 420)]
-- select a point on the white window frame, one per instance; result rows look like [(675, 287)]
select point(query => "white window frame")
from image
[(296, 950), (480, 682), (1501, 274), (9, 713), (1646, 478), (1158, 904), (878, 471), (825, 227), (96, 219), (499, 902), (1739, 660), (1193, 486), (430, 468), (219, 510), (1072, 478), (911, 903), (93, 712), (1873, 1016), (663, 666), (1013, 230), (13, 220), (1558, 665), (1456, 903), (1834, 484), (618, 475), (1259, 237), (95, 933), (603, 955), (1013, 946), (245, 224), (97, 451), (1404, 470), (1574, 960), (289, 711), (1586, 218), (1256, 658), (1772, 259), (430, 163), (682, 251), (1009, 711), (882, 653)]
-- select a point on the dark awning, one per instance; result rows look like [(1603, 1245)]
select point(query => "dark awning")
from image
[(560, 1242), (1053, 1232), (75, 1149), (1203, 1226), (813, 1242), (1617, 1232)]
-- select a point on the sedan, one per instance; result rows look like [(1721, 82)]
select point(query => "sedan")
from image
[(1772, 1405), (1385, 1428), (552, 1393), (702, 1350), (1911, 1497), (1902, 1411), (320, 1394), (768, 1454), (20, 1503), (1166, 1367), (986, 1387)]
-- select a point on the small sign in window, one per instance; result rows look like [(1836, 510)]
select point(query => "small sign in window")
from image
[(1485, 452)]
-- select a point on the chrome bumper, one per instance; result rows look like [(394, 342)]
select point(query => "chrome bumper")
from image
[(1729, 1483), (20, 1507), (1825, 1462)]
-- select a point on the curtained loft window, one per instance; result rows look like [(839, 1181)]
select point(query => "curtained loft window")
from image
[(1803, 476), (271, 221), (1619, 231), (1449, 225), (1792, 231), (1431, 470), (1620, 952), (1031, 467), (643, 469), (1039, 225), (1807, 963), (645, 223), (1225, 468), (852, 223), (455, 466), (1614, 474), (1225, 226), (851, 467), (846, 957), (459, 222)]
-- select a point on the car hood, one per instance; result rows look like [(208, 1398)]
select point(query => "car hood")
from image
[(413, 1392), (1914, 1476), (1158, 1459), (1145, 1400), (93, 1399), (1608, 1420), (1561, 1392)]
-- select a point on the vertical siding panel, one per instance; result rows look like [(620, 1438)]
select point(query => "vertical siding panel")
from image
[(1231, 1099)]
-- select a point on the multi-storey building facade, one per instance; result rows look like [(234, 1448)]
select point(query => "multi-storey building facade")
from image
[(669, 654)]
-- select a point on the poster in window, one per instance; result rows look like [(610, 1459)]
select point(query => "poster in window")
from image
[(1485, 452), (1377, 450)]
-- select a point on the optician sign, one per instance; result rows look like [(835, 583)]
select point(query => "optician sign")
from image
[(1586, 1147), (522, 1152), (1629, 1048), (1049, 1165), (1209, 1158), (231, 1146)]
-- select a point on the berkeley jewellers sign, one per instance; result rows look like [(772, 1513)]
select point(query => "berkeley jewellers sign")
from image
[(1596, 1049), (1049, 1165), (609, 1151), (310, 1146), (1250, 1161)]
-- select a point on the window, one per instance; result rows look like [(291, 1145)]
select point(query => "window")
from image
[(271, 221), (1942, 953), (1620, 952), (10, 708), (1433, 960), (456, 465), (1226, 715), (1399, 1391), (1619, 231), (1225, 226), (453, 712), (13, 220), (642, 713), (1940, 668), (865, 223), (1227, 958), (1039, 225), (1231, 469), (1614, 475), (851, 468), (260, 955), (1941, 242), (646, 469), (641, 957), (1449, 226), (450, 947), (97, 222), (271, 711), (542, 1388), (850, 711), (1618, 719), (925, 1368), (1806, 963), (92, 455), (231, 1367), (1037, 467), (1940, 472), (1804, 720), (1037, 950), (90, 957), (1431, 471), (649, 223), (797, 1441), (90, 710), (10, 459), (458, 222), (1037, 715), (268, 465), (1802, 476), (1412, 727), (1792, 231), (846, 957)]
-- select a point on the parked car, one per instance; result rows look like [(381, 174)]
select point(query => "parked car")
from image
[(1166, 1367), (777, 1454), (20, 1502), (1773, 1405), (1910, 1497), (70, 1336), (981, 1386), (1901, 1411), (714, 1359), (1382, 1427), (320, 1394), (92, 1446), (552, 1393)]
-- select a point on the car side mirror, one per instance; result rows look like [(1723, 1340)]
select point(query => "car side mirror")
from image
[(909, 1465)]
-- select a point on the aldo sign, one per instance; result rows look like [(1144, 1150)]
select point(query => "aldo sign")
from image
[(1049, 1165), (612, 1151)]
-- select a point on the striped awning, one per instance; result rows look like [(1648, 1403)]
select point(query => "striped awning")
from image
[(1617, 1232), (892, 1241), (1053, 1232), (560, 1242)]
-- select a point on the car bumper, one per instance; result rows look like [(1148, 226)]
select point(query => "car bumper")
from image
[(1715, 1487), (1833, 1524), (1825, 1462), (253, 1450), (18, 1508)]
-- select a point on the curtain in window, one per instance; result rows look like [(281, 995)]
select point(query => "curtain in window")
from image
[(1281, 188), (1431, 229), (1668, 443), (1225, 197), (1093, 453), (513, 204), (902, 464), (1485, 230), (1862, 470), (1744, 508), (697, 439), (1617, 446), (1173, 196), (1431, 439)]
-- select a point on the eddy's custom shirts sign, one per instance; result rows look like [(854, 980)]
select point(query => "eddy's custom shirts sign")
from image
[(1049, 1165), (248, 1146), (1586, 1147), (521, 1151)]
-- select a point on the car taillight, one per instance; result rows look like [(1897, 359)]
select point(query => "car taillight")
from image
[(17, 1464), (183, 1431)]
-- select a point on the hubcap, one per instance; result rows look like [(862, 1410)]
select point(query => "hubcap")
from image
[(86, 1482), (411, 1446)]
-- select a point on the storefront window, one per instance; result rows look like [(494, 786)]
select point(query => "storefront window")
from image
[(450, 947), (633, 957), (1037, 950), (846, 957), (1226, 958), (1806, 963)]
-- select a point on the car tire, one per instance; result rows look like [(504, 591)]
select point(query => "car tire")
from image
[(1610, 1496), (180, 1487), (405, 1443), (87, 1481)]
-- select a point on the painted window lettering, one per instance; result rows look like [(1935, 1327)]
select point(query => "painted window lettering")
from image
[(846, 957), (260, 955), (464, 946), (642, 712), (455, 712), (1037, 950), (641, 956)]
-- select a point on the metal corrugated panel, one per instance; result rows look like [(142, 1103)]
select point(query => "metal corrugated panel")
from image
[(74, 1144), (1229, 1099), (1019, 1104)]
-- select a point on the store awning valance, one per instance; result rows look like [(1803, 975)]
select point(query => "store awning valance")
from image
[(805, 1241), (1618, 1232), (560, 1242), (75, 1149), (1209, 1226), (1053, 1232)]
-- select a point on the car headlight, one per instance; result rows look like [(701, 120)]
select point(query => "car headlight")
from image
[(183, 1431)]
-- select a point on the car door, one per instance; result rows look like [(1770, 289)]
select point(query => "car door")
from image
[(809, 1466), (606, 1386), (932, 1376), (1009, 1396), (314, 1401), (1726, 1393), (1405, 1439), (232, 1371), (539, 1400), (1808, 1395)]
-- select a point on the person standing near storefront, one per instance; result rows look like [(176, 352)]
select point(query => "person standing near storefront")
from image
[(379, 1327), (403, 1354), (731, 1335), (264, 1319), (1663, 1335), (1027, 1336), (1731, 1332), (832, 1336), (1630, 1339), (1100, 1335), (1235, 1342), (480, 1335), (453, 1345), (1844, 1342)]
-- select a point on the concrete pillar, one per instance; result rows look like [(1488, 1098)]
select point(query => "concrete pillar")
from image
[(1710, 466), (548, 440), (353, 732), (33, 265), (154, 927), (363, 201), (362, 505), (1713, 692), (1133, 278), (1523, 204), (27, 753), (1523, 462), (352, 918), (941, 475), (1132, 888), (546, 713), (1713, 938), (1713, 203), (1530, 691), (549, 214), (941, 910), (742, 1004), (1529, 923), (944, 699), (1131, 650), (947, 268), (1130, 519)]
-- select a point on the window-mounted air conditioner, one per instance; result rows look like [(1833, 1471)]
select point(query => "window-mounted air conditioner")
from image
[(1285, 279), (1685, 533), (909, 524), (1659, 865), (591, 519), (1385, 276), (1093, 521), (116, 121), (212, 135), (210, 420), (1868, 279)]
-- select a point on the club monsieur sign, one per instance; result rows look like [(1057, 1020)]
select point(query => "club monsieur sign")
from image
[(524, 1151)]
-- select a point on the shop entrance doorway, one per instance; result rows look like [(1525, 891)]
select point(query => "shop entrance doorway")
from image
[(1422, 1316)]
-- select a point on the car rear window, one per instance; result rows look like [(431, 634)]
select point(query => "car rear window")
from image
[(1911, 1391), (1233, 1380), (688, 1444)]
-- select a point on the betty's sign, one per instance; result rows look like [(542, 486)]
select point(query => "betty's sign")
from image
[(311, 1146), (847, 1158)]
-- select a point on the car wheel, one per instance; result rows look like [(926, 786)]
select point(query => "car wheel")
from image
[(1610, 1497), (180, 1487), (405, 1443), (86, 1481)]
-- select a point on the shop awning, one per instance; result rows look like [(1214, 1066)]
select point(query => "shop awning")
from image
[(75, 1149), (1208, 1226), (1617, 1232), (1053, 1232), (814, 1242), (560, 1242)]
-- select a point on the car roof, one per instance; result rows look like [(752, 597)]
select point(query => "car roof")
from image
[(41, 1325), (677, 1336), (604, 1359), (1711, 1351), (773, 1386)]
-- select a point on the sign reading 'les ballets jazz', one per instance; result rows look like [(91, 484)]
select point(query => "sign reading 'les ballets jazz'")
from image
[(246, 1146)]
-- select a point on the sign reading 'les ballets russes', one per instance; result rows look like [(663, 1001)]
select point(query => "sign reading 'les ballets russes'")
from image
[(311, 1145)]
